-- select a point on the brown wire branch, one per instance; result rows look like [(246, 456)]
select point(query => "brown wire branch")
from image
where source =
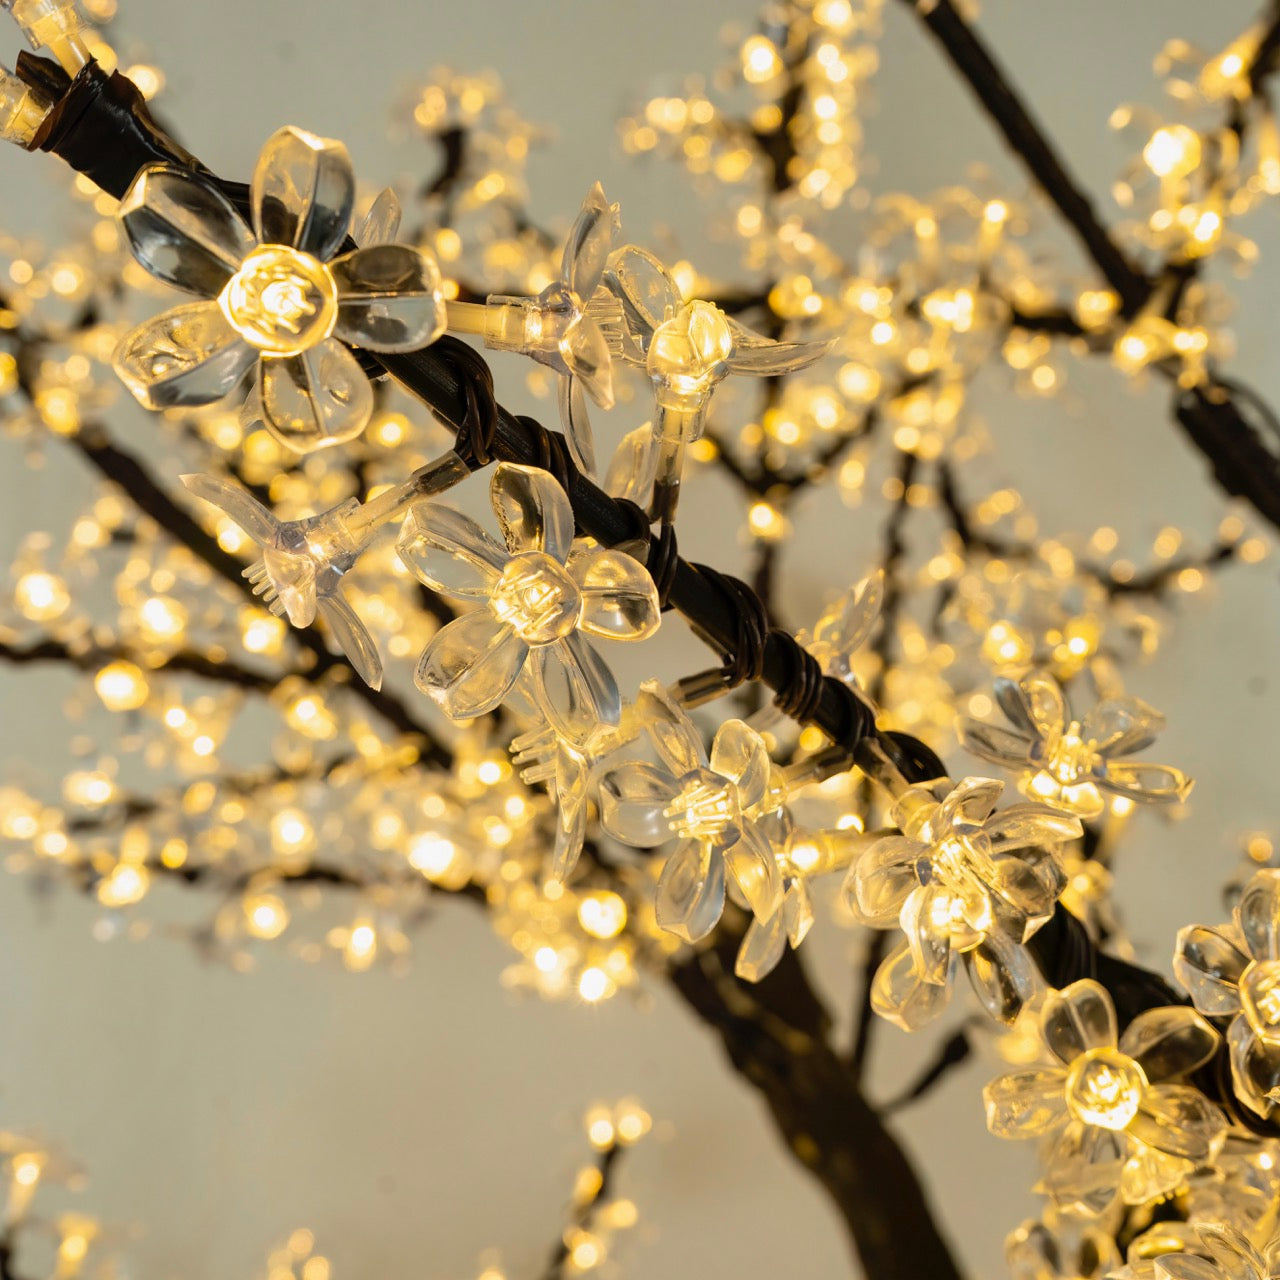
[(776, 1034)]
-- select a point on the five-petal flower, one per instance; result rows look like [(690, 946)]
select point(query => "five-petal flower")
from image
[(966, 884), (1198, 1251), (1067, 762), (558, 329), (712, 803), (1110, 1121), (304, 561), (540, 594), (1234, 969), (275, 296)]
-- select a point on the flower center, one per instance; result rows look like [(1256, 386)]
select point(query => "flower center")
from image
[(705, 808), (1260, 996), (1104, 1087), (688, 352), (537, 598), (281, 301)]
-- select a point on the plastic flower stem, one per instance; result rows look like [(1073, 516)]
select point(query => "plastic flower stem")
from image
[(675, 428)]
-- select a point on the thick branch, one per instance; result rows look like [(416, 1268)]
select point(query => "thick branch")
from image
[(776, 1035), (973, 60)]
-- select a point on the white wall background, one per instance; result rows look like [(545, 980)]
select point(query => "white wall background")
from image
[(413, 1122)]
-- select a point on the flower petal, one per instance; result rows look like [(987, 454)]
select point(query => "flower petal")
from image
[(754, 867), (797, 912), (188, 355), (647, 291), (585, 350), (1169, 1042), (450, 552), (1258, 914), (571, 829), (630, 473), (761, 948), (930, 942), (388, 298), (303, 192), (237, 503), (762, 357), (1027, 826), (1149, 1173), (738, 753), (469, 666), (991, 742), (589, 242), (1003, 976), (1026, 1104), (881, 880), (353, 638), (673, 734), (319, 398), (1083, 1166), (184, 231), (1033, 703), (1209, 963), (1255, 1068), (532, 510), (1120, 726), (576, 422), (381, 224), (619, 599), (1147, 783), (1180, 1121), (690, 894), (970, 802), (1076, 1019), (574, 688), (632, 798), (900, 995)]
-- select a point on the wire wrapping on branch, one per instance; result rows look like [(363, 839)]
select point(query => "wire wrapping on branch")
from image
[(479, 424), (800, 698)]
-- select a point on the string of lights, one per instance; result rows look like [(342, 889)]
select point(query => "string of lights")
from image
[(681, 830)]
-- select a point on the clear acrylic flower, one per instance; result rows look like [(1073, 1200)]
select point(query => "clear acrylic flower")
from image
[(570, 770), (304, 561), (968, 885), (1067, 762), (1198, 1251), (539, 594), (1109, 1120), (765, 941), (279, 299), (558, 329), (714, 805), (1233, 971), (688, 349), (1061, 1246)]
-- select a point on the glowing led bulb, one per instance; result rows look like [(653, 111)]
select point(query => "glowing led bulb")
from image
[(41, 596), (760, 61), (705, 807), (1173, 151), (121, 686), (265, 915), (162, 618), (281, 301), (1104, 1088), (602, 914), (537, 598), (124, 885), (361, 947), (594, 985)]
